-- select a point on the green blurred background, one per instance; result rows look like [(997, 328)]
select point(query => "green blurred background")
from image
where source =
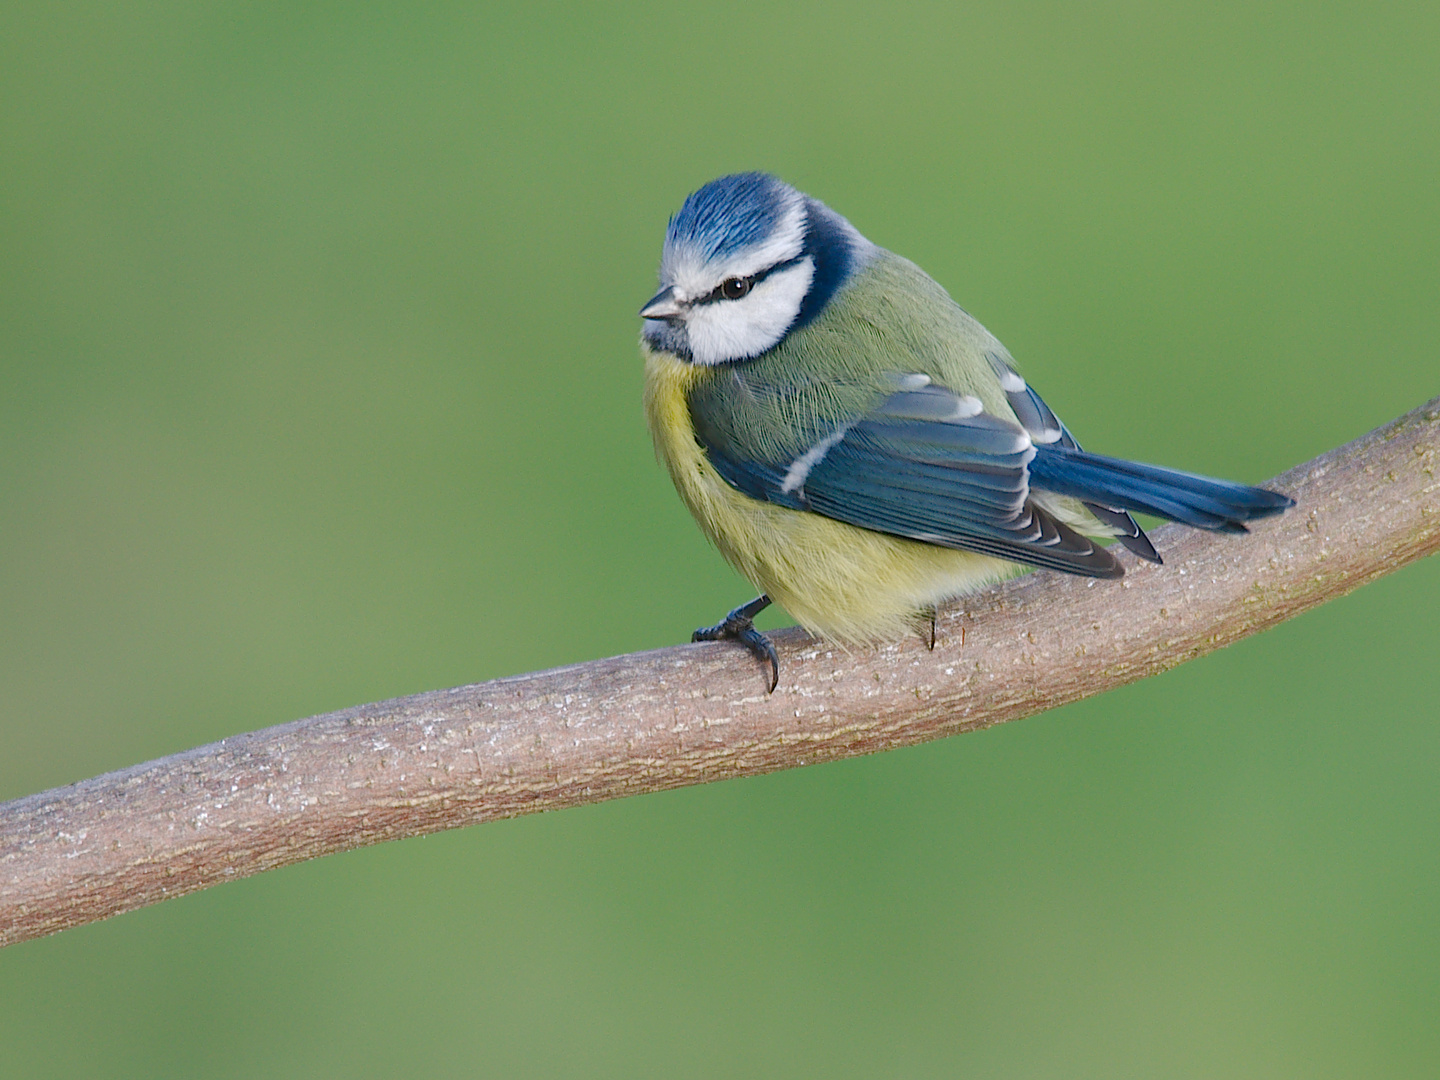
[(319, 385)]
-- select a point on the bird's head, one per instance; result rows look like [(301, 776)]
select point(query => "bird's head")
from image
[(747, 260)]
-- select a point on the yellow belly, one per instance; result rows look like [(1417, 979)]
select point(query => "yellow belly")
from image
[(848, 584)]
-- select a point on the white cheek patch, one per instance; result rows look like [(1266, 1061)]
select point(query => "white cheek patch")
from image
[(726, 330)]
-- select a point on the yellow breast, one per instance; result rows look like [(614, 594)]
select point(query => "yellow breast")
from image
[(841, 582)]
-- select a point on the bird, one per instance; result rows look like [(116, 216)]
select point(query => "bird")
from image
[(857, 445)]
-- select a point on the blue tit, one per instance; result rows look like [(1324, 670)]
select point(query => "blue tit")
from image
[(856, 444)]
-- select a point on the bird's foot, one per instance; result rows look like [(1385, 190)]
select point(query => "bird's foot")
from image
[(739, 626)]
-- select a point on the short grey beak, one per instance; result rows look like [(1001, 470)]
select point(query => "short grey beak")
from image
[(663, 305)]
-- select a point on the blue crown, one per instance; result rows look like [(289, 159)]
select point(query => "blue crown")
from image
[(729, 214)]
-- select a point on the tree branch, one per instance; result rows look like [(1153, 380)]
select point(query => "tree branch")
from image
[(696, 713)]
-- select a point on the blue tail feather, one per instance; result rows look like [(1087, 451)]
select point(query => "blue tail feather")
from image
[(1201, 501)]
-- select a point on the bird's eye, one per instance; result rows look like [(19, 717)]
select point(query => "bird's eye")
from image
[(736, 287)]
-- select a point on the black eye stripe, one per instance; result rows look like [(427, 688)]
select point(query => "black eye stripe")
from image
[(718, 293)]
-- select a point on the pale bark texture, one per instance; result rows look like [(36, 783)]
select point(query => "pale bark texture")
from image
[(696, 713)]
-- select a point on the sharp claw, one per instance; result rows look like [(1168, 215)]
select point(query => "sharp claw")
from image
[(739, 626), (760, 645)]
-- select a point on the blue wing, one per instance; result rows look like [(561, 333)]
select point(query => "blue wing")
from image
[(927, 465)]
